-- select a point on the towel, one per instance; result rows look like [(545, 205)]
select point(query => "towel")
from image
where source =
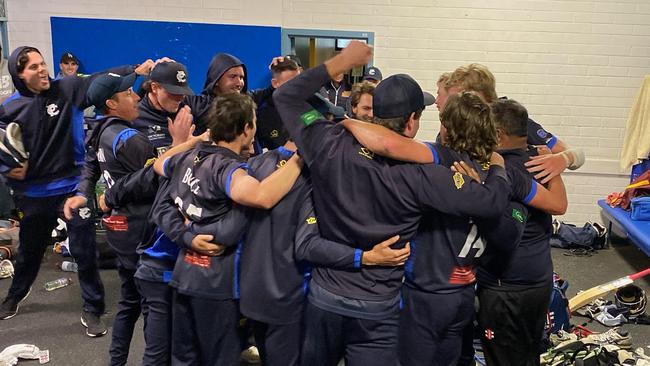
[(636, 144)]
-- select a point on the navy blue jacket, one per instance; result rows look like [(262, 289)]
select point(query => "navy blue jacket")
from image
[(281, 245), (529, 264), (53, 131), (362, 199)]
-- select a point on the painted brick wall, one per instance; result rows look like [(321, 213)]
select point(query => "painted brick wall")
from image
[(576, 65)]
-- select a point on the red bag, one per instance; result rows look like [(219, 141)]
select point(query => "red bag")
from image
[(640, 187)]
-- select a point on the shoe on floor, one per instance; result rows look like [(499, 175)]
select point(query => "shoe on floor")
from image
[(614, 336), (561, 336), (9, 307), (94, 324)]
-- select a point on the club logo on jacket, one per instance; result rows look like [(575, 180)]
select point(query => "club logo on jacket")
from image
[(459, 181), (52, 110), (366, 153), (84, 213), (181, 76)]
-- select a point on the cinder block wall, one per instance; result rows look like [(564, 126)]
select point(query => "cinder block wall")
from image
[(576, 65)]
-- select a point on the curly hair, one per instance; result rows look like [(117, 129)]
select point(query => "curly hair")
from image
[(470, 126), (359, 89), (229, 115)]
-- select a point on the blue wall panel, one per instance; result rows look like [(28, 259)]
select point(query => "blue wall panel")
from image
[(102, 43)]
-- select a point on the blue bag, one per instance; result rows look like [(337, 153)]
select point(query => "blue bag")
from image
[(640, 208)]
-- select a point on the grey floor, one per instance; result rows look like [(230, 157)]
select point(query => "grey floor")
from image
[(50, 320)]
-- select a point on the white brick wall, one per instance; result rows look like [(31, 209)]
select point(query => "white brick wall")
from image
[(576, 65)]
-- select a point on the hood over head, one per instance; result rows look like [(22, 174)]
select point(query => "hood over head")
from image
[(221, 63), (19, 84)]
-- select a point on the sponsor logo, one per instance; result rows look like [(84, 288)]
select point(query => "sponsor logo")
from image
[(462, 275), (52, 110), (541, 133), (281, 163), (114, 75), (459, 181), (489, 334), (366, 153), (518, 215), (485, 166), (149, 162), (196, 259), (275, 133), (116, 223), (311, 117), (181, 76), (311, 221)]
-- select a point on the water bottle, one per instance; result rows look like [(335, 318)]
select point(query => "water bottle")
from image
[(68, 266), (61, 282)]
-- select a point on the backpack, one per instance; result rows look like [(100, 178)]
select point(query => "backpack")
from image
[(558, 315)]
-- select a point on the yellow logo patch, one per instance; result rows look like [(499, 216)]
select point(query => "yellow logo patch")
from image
[(275, 133), (366, 153), (149, 162), (281, 163), (311, 221), (196, 160), (459, 181), (485, 166)]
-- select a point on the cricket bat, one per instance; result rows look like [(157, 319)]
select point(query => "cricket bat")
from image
[(585, 297)]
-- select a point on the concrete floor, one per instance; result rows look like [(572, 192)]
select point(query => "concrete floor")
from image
[(50, 320)]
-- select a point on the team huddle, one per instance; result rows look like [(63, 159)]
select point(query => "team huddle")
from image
[(324, 223)]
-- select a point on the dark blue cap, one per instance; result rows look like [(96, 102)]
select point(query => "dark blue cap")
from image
[(107, 85), (399, 96), (173, 77), (373, 73), (325, 107)]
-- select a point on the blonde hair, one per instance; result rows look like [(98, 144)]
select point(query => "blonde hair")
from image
[(444, 78), (476, 78)]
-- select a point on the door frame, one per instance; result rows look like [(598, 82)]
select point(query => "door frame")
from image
[(287, 33)]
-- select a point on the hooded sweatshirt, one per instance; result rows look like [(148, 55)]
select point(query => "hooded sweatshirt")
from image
[(153, 123), (200, 104), (52, 130)]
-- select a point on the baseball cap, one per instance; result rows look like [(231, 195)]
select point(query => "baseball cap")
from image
[(173, 77), (67, 57), (398, 96), (372, 73), (107, 85), (325, 107)]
